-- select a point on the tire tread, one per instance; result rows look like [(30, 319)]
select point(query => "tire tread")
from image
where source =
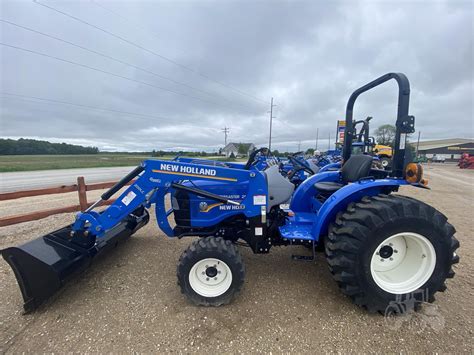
[(349, 232)]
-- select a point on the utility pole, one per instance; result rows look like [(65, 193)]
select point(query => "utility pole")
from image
[(417, 144), (317, 138), (225, 130), (329, 141), (271, 120), (299, 146)]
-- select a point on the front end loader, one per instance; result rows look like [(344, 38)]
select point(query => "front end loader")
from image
[(381, 247)]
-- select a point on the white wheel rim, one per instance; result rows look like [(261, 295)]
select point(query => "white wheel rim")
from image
[(210, 277), (384, 162), (403, 263)]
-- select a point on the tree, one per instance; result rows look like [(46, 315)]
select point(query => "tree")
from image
[(310, 151), (243, 149), (31, 146), (385, 134)]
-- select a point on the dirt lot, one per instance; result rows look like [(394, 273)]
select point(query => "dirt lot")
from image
[(129, 301)]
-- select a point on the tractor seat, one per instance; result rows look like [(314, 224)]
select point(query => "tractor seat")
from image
[(356, 168)]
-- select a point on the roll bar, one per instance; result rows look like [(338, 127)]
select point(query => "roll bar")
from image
[(405, 123)]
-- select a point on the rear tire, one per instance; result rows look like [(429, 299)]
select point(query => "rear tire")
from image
[(415, 242), (211, 272)]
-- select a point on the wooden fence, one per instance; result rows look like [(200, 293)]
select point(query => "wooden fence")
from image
[(80, 187)]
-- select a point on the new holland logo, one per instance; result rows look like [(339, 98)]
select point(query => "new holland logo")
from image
[(188, 169), (175, 169)]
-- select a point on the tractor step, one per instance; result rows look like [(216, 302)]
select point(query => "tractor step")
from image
[(299, 230), (303, 257), (295, 232)]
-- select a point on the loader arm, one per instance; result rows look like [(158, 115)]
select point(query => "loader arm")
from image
[(157, 178), (43, 265)]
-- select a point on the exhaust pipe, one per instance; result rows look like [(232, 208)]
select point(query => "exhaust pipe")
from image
[(43, 265)]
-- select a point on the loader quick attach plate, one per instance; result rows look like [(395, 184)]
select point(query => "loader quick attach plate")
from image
[(43, 265)]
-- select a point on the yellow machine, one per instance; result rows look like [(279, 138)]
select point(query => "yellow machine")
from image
[(384, 152)]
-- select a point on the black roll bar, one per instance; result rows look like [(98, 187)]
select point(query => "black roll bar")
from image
[(405, 124)]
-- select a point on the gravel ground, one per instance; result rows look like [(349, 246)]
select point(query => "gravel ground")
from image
[(129, 300)]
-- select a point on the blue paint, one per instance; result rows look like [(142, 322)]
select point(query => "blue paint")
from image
[(155, 183), (309, 222)]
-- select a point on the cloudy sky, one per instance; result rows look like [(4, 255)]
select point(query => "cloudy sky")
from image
[(142, 75)]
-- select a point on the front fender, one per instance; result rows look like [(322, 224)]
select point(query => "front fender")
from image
[(354, 192)]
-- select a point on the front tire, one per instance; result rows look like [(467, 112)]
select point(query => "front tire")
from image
[(388, 249), (211, 272)]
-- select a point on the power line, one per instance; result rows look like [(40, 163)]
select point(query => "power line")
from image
[(182, 66), (271, 121), (106, 72), (317, 137), (53, 101), (106, 56), (124, 19), (226, 130), (417, 144), (294, 142), (156, 36)]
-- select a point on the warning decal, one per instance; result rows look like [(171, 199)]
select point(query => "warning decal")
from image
[(259, 200), (129, 198)]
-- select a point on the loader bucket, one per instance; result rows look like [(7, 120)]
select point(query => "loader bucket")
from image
[(43, 265)]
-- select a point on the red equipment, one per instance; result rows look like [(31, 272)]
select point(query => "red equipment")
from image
[(466, 161)]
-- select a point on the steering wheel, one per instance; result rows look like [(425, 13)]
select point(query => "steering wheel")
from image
[(299, 165), (252, 161)]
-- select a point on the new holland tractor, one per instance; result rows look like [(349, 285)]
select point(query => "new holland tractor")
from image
[(297, 168), (380, 246)]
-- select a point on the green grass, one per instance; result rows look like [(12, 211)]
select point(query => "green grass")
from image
[(9, 163), (46, 162)]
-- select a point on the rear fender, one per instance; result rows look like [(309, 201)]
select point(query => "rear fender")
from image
[(329, 167), (354, 192), (301, 200)]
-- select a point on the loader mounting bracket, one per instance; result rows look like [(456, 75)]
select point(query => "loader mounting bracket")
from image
[(406, 124)]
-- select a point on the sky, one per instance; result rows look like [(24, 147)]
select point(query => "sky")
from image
[(169, 75)]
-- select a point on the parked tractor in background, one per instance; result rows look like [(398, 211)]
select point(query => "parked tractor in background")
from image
[(368, 145), (466, 161), (420, 159), (380, 247), (384, 153)]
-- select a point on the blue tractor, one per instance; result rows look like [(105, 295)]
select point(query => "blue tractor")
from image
[(381, 247), (297, 168)]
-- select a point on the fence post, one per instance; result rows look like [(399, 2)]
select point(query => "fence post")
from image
[(81, 190)]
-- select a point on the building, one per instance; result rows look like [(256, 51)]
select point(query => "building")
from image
[(238, 149), (446, 149)]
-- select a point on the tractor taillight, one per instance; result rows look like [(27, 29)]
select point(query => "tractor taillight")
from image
[(414, 174)]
